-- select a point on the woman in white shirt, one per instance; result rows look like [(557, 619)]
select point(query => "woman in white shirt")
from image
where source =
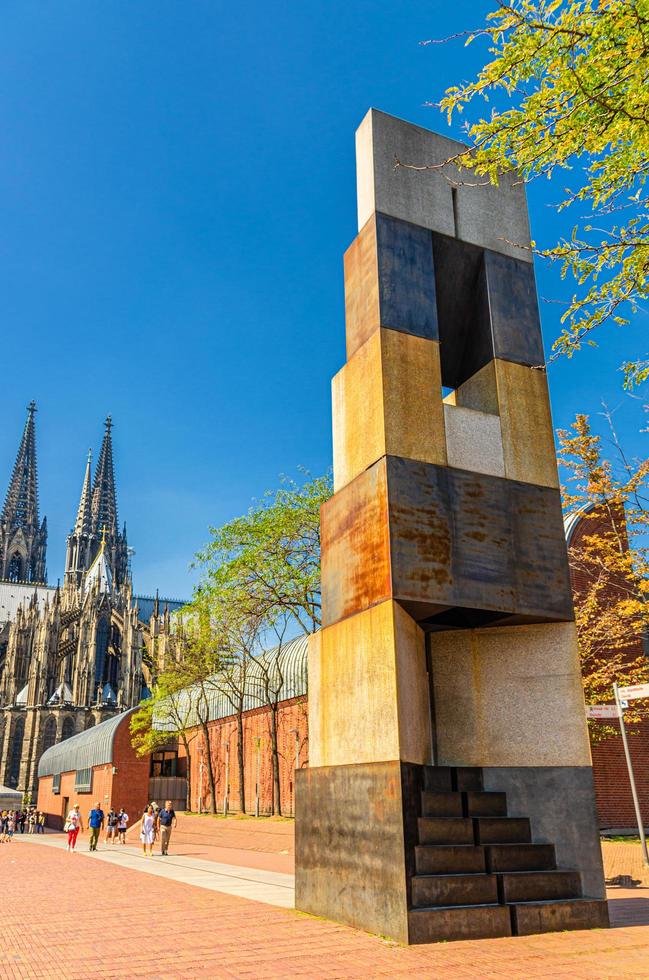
[(147, 832), (73, 825)]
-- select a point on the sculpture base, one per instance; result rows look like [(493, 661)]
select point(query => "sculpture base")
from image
[(425, 854)]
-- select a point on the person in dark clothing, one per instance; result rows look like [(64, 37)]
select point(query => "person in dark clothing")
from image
[(166, 821)]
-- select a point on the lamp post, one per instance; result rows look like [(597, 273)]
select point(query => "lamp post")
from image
[(201, 769), (227, 778), (629, 765)]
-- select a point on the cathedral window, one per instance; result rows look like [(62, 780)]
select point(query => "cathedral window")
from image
[(15, 753), (15, 570), (49, 734), (68, 729), (101, 651)]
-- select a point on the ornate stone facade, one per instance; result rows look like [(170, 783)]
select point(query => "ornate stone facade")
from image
[(70, 655)]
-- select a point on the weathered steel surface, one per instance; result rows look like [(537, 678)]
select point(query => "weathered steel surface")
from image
[(349, 846), (406, 277), (457, 540), (514, 312)]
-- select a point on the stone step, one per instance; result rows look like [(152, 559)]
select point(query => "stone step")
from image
[(538, 886), (466, 778), (529, 918), (445, 830), (444, 890), (438, 779), (520, 857), (441, 804), (482, 804), (446, 859), (471, 922), (502, 830)]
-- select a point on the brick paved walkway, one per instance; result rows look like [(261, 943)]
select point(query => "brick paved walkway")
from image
[(71, 917)]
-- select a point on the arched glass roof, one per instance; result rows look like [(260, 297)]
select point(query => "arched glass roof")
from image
[(279, 674), (94, 747)]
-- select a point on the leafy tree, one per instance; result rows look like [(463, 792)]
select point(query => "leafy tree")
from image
[(611, 562), (260, 583), (266, 564), (165, 714), (570, 83)]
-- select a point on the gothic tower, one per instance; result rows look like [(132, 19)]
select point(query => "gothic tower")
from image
[(80, 539), (103, 511), (23, 539)]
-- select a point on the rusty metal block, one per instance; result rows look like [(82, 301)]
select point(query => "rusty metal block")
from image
[(454, 548)]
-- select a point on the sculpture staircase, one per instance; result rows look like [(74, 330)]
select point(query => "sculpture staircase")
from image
[(474, 872)]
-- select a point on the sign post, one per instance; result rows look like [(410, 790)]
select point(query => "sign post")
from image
[(628, 693)]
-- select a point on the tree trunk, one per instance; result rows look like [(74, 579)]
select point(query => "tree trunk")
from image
[(277, 800), (188, 799), (210, 766), (240, 761)]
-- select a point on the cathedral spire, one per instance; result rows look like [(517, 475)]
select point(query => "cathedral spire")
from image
[(21, 504), (83, 523), (104, 504), (23, 540)]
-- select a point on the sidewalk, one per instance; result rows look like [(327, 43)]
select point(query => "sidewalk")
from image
[(257, 884), (89, 916)]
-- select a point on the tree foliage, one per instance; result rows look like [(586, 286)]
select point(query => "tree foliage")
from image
[(570, 83), (610, 562)]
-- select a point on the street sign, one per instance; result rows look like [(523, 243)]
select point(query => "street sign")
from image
[(602, 711), (633, 692)]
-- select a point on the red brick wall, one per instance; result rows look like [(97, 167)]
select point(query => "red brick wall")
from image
[(292, 715), (128, 787), (612, 788)]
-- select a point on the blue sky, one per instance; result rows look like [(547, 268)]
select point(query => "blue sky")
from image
[(177, 189)]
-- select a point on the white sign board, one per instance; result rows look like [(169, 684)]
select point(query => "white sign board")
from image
[(633, 692), (602, 711)]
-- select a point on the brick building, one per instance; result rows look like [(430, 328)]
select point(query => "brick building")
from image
[(98, 764), (612, 787)]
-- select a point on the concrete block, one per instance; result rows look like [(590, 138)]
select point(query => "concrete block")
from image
[(478, 392), (513, 309), (387, 401), (528, 920), (485, 215), (526, 424), (510, 696), (376, 659), (473, 440), (560, 802)]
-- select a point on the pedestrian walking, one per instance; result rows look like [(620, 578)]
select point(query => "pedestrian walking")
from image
[(122, 824), (22, 816), (11, 824), (95, 822), (40, 823), (166, 821), (73, 825), (31, 822), (147, 832), (111, 826)]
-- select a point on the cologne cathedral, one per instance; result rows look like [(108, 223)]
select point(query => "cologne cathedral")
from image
[(73, 654)]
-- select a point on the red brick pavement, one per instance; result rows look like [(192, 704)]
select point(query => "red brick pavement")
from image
[(67, 916)]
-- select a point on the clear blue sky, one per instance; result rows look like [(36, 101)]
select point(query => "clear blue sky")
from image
[(176, 191)]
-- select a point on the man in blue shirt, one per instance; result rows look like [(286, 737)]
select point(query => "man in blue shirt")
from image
[(95, 822), (166, 820)]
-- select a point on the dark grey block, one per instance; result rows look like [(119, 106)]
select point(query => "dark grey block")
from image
[(520, 857), (441, 805), (560, 802), (513, 309), (454, 889), (440, 830), (539, 886), (537, 917), (474, 922), (502, 830), (406, 278), (448, 859), (482, 804)]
